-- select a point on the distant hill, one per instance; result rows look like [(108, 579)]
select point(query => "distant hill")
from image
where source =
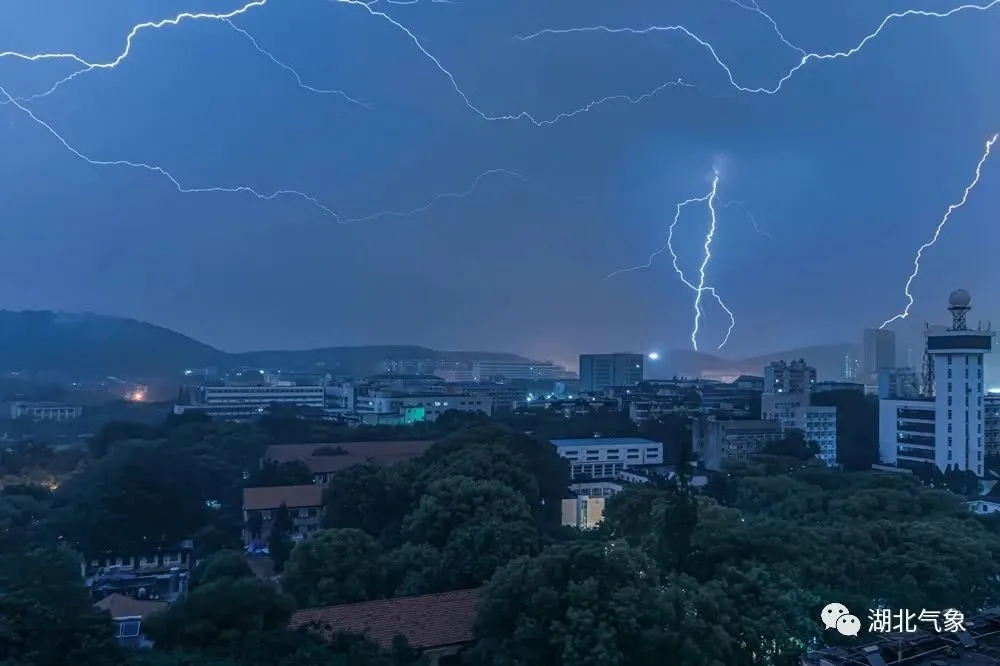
[(88, 345)]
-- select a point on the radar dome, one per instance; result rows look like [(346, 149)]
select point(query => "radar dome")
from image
[(959, 299)]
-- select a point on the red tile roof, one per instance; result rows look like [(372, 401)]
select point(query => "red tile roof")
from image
[(272, 497), (357, 452), (120, 606), (427, 621)]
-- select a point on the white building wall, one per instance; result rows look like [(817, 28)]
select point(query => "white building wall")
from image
[(959, 410)]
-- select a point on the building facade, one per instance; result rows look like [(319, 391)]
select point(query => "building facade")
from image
[(245, 402), (602, 371), (716, 440), (878, 351), (991, 424), (948, 426), (794, 377), (45, 411), (898, 384), (603, 457), (795, 411), (261, 505)]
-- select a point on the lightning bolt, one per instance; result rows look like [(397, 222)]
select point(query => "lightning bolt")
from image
[(699, 288), (242, 188), (937, 232), (704, 263), (88, 66), (753, 220), (288, 68), (805, 58)]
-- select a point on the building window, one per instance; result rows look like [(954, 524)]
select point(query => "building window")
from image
[(949, 387), (949, 411), (949, 370), (949, 401)]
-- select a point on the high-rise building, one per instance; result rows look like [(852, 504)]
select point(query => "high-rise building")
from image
[(794, 377), (879, 351), (601, 371), (787, 400), (946, 426)]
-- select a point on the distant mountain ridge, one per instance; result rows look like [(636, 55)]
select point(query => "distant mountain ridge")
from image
[(86, 345), (89, 345)]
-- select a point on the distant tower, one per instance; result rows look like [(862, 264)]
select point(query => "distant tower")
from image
[(955, 368)]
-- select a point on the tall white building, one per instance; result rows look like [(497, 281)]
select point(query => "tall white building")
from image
[(947, 427)]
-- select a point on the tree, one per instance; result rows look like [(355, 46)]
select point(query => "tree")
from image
[(456, 501), (857, 426), (573, 605), (279, 542), (47, 616), (219, 616), (225, 564), (272, 473), (335, 567), (141, 494), (475, 551), (372, 498)]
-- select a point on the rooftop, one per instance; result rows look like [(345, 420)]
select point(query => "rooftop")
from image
[(357, 453), (427, 621), (120, 606), (604, 441), (272, 497)]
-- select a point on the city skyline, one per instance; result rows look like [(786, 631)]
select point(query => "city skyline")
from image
[(514, 224)]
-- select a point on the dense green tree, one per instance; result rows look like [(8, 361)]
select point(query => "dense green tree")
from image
[(792, 445), (139, 494), (279, 542), (219, 616), (272, 473), (475, 551), (46, 615), (335, 567), (573, 605), (455, 501), (372, 498), (857, 426), (412, 569), (224, 564)]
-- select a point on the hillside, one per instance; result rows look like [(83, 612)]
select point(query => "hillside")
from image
[(90, 345)]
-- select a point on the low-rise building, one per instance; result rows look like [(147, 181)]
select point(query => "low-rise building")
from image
[(602, 457), (324, 460), (440, 625), (260, 506), (907, 432), (716, 440), (583, 512), (127, 614), (239, 402), (45, 411), (157, 574), (794, 411)]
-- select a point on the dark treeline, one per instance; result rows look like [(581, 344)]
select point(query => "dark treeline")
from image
[(732, 575)]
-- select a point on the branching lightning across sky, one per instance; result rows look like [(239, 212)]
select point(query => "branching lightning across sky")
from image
[(805, 59), (369, 6), (241, 188), (753, 220), (700, 288), (226, 17), (288, 68), (937, 232)]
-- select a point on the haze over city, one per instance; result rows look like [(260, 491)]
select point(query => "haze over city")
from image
[(846, 171)]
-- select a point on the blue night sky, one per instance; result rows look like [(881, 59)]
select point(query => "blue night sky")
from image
[(848, 169)]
